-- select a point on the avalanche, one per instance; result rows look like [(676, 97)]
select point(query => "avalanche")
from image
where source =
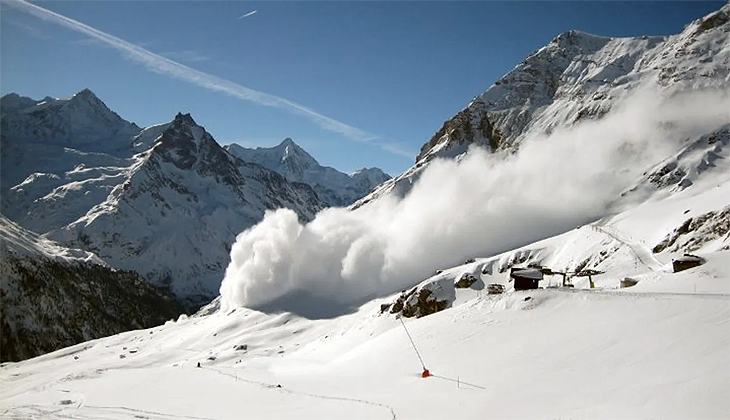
[(658, 349), (652, 184)]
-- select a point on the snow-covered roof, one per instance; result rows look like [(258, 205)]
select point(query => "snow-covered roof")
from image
[(527, 273)]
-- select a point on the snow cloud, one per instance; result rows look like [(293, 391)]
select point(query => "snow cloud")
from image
[(480, 205), (163, 65)]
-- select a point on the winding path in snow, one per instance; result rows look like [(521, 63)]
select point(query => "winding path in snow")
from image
[(307, 394), (640, 250)]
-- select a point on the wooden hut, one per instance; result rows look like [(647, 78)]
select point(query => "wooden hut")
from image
[(686, 262), (525, 278)]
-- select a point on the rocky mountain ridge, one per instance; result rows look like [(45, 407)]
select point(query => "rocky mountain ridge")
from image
[(335, 188)]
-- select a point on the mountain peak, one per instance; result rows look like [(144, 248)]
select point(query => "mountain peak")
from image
[(86, 101), (86, 95), (86, 92), (184, 119), (291, 153), (295, 164), (287, 142), (11, 95), (579, 39), (14, 102)]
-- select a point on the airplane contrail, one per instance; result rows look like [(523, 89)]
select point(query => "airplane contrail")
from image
[(163, 65), (251, 13)]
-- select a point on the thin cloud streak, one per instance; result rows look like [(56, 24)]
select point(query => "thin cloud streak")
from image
[(186, 55), (30, 29), (166, 66), (251, 13)]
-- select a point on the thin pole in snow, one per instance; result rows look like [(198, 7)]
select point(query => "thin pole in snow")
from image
[(412, 343)]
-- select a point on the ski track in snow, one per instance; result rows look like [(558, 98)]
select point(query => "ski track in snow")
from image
[(640, 250), (94, 412), (307, 394)]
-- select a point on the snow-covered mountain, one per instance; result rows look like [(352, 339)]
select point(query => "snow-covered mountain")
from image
[(179, 208), (335, 188), (631, 338), (53, 297), (80, 122), (166, 201), (576, 78), (59, 157)]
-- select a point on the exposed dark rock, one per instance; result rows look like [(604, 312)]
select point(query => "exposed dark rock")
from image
[(696, 231), (421, 301), (465, 281), (470, 125), (397, 306), (628, 282), (713, 21), (495, 289), (425, 304)]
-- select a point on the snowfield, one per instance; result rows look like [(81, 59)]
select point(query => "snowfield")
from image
[(656, 350)]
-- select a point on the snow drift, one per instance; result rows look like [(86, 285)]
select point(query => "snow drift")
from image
[(480, 204)]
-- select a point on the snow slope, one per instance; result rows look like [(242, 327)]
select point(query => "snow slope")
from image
[(657, 349), (332, 186)]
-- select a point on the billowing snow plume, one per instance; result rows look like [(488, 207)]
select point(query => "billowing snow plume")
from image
[(478, 205)]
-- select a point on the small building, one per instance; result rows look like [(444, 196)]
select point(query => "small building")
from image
[(686, 262), (525, 278)]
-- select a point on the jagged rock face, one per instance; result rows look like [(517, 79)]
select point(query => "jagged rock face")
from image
[(696, 232), (470, 126), (466, 281), (680, 171), (175, 217), (425, 299), (296, 165), (576, 77), (52, 297), (189, 147)]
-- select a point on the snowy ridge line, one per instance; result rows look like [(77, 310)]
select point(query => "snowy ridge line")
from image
[(325, 397)]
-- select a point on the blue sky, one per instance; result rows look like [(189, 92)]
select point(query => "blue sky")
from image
[(377, 79)]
